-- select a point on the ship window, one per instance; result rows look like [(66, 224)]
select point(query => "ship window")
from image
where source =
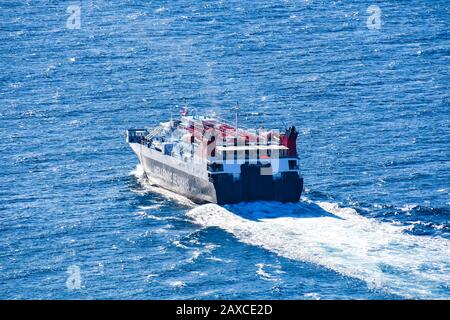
[(293, 164), (215, 167)]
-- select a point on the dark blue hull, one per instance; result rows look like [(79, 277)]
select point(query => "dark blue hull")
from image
[(253, 186)]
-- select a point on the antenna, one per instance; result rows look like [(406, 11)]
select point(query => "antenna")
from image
[(185, 110)]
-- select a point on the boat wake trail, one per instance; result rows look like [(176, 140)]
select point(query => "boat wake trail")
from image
[(342, 240)]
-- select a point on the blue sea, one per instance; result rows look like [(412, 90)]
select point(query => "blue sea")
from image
[(366, 83)]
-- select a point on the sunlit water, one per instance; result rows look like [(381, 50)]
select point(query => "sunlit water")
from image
[(371, 105)]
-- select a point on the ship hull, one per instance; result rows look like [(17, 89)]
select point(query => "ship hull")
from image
[(220, 188)]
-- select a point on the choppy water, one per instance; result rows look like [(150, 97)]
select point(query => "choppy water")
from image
[(372, 106)]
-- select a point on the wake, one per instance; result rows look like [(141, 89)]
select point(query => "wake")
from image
[(339, 239)]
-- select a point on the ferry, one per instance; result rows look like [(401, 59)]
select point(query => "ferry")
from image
[(209, 160)]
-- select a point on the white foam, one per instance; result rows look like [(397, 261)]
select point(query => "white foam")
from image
[(163, 229), (340, 239), (196, 253), (312, 296), (194, 256), (151, 216), (149, 277), (150, 207), (408, 207), (265, 275), (178, 244), (138, 172), (216, 259), (160, 10), (177, 283)]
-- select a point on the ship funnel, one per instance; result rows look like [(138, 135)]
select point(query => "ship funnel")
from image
[(289, 140)]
